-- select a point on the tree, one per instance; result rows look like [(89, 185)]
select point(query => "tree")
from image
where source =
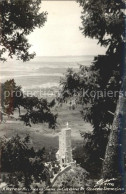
[(17, 20), (36, 110), (102, 20), (11, 97), (22, 161), (74, 178), (107, 19), (89, 89)]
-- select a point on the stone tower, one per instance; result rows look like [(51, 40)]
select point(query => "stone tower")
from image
[(64, 154)]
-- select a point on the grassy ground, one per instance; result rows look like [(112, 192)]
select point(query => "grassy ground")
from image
[(41, 136)]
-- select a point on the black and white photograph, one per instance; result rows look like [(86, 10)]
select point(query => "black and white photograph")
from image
[(62, 96)]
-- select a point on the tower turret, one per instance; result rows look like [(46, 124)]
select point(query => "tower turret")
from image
[(64, 154)]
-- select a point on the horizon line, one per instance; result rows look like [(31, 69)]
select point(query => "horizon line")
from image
[(63, 55)]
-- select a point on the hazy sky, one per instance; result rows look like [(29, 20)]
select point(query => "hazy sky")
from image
[(61, 35)]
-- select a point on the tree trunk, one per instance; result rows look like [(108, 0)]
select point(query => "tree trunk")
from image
[(113, 165)]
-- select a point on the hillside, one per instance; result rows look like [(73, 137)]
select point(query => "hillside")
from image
[(41, 135)]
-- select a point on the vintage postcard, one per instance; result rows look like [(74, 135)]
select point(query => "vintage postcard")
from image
[(62, 102)]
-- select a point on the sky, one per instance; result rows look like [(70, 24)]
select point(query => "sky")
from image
[(60, 35)]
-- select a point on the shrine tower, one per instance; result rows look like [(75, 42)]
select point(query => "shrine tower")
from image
[(64, 154)]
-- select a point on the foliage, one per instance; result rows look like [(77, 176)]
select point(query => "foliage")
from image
[(90, 155), (74, 178), (89, 86), (20, 160), (11, 96), (36, 110), (102, 20), (19, 19)]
